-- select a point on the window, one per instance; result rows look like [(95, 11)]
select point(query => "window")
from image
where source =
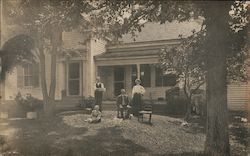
[(74, 78), (145, 75), (164, 80), (119, 78), (134, 74), (30, 75)]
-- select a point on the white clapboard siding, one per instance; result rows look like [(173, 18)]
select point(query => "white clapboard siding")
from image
[(238, 96)]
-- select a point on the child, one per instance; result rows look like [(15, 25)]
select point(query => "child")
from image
[(122, 103), (95, 115)]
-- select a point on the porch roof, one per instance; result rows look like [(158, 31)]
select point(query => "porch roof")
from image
[(127, 54), (133, 53)]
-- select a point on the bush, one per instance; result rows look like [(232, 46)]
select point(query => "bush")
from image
[(29, 103), (88, 102), (176, 106), (173, 92)]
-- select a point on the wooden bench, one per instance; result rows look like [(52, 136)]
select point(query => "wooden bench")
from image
[(147, 109)]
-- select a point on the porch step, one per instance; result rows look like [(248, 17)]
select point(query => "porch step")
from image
[(69, 104), (106, 105)]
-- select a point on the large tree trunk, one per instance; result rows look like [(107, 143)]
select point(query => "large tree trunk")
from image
[(56, 42), (46, 99), (217, 136), (49, 98), (248, 47)]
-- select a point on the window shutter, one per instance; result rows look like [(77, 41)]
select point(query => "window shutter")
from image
[(20, 77)]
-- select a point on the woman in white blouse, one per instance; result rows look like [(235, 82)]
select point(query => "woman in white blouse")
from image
[(137, 93)]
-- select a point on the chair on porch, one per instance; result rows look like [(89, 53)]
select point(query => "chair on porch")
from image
[(146, 109)]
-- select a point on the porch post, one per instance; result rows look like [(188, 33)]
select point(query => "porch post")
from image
[(138, 71)]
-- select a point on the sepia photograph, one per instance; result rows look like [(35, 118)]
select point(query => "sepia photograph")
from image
[(124, 78)]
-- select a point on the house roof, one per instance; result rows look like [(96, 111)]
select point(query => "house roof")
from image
[(147, 44), (118, 54), (156, 31)]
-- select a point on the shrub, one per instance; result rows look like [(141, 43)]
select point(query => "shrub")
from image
[(88, 102), (176, 106), (170, 93), (29, 103)]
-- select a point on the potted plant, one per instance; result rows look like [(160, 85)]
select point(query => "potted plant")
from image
[(31, 112)]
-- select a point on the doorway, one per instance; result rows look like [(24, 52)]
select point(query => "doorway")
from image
[(119, 80)]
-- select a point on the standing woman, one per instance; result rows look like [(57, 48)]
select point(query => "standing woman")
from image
[(99, 89), (137, 93)]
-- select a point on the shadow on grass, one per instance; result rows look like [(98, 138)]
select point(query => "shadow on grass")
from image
[(184, 154), (238, 129), (40, 137), (107, 142), (52, 137)]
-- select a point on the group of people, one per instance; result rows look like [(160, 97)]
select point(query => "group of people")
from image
[(125, 107)]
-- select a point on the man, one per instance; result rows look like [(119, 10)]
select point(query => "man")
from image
[(122, 103), (99, 89)]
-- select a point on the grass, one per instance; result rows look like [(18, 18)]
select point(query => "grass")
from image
[(69, 135)]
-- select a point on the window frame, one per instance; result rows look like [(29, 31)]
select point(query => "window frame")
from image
[(148, 82), (29, 75), (161, 79), (134, 73), (74, 79)]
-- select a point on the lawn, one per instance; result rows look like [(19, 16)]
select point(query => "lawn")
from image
[(68, 134)]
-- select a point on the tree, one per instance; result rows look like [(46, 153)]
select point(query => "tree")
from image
[(119, 17), (219, 45), (187, 61), (46, 21), (15, 51)]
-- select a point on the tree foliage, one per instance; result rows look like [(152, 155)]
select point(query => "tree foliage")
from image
[(223, 40), (46, 20), (187, 61), (221, 45), (16, 51)]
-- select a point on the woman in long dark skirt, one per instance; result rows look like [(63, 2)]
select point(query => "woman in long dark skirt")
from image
[(99, 89), (137, 93)]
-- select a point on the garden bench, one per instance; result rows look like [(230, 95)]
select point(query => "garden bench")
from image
[(147, 109)]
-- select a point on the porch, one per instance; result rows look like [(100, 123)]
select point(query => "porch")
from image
[(118, 77), (120, 65)]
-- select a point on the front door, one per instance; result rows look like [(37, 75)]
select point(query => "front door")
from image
[(119, 80)]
